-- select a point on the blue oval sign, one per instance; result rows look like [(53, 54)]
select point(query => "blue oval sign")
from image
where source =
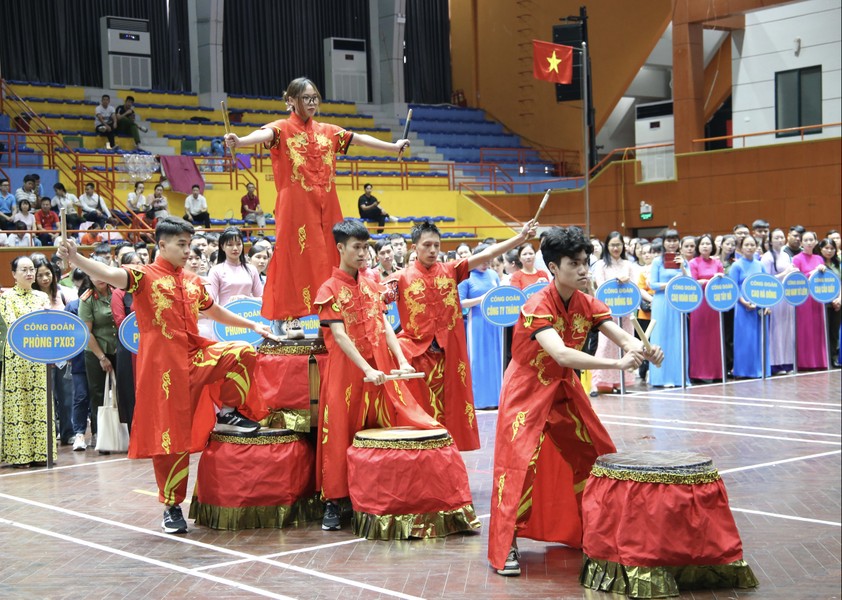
[(535, 287), (48, 336), (501, 306), (796, 289), (248, 309), (722, 293), (392, 315), (763, 290), (129, 333), (621, 298), (824, 286), (684, 293)]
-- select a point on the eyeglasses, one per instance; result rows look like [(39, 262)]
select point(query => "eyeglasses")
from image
[(311, 100), (26, 271)]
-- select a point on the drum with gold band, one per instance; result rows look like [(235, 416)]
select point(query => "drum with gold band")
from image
[(656, 522), (286, 380), (408, 483), (257, 480)]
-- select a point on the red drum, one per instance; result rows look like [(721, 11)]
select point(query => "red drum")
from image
[(408, 483), (286, 382), (259, 480), (655, 523)]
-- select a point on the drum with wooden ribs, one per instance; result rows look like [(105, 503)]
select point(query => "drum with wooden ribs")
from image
[(408, 483), (257, 480), (656, 522)]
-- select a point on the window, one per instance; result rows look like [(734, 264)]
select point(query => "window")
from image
[(798, 100)]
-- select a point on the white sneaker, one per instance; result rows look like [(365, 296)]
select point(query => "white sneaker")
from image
[(294, 330), (79, 443), (394, 219)]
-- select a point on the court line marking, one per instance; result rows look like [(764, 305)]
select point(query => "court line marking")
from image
[(147, 560), (62, 468), (737, 381), (701, 400), (277, 554), (776, 400), (733, 433), (789, 517), (836, 435), (211, 547), (779, 462)]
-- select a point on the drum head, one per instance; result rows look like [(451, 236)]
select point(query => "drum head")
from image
[(263, 432), (655, 461), (393, 434)]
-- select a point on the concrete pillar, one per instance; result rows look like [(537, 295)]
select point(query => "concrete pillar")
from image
[(206, 47), (388, 18)]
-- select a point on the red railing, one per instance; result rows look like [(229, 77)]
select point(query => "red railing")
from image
[(528, 159), (789, 132)]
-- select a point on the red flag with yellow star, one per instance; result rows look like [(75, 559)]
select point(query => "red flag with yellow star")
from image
[(552, 62)]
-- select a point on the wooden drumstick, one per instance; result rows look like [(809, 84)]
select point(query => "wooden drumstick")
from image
[(405, 131), (227, 123), (399, 376), (641, 334), (541, 207), (650, 327), (63, 223)]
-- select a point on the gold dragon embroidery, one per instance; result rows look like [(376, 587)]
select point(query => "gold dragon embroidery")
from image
[(414, 289), (501, 482), (302, 238), (327, 158), (194, 293), (159, 291), (166, 381), (347, 397), (469, 412), (166, 443), (296, 149), (462, 369), (305, 296), (538, 363), (520, 419), (447, 287)]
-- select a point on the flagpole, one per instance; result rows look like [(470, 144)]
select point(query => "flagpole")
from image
[(586, 150)]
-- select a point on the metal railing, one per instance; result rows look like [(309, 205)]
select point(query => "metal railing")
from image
[(789, 132)]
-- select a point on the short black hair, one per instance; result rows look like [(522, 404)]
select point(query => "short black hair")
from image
[(382, 243), (129, 98), (344, 230), (421, 228), (102, 248), (90, 184), (759, 223), (564, 241), (168, 227), (672, 234), (106, 96), (739, 226), (799, 229), (196, 185), (395, 236), (4, 180), (140, 246), (120, 245), (28, 178), (59, 187)]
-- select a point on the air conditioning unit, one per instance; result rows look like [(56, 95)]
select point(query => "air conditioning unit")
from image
[(346, 70), (126, 53)]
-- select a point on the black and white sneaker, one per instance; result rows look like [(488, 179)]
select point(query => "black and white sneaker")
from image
[(234, 422), (173, 520), (512, 566), (330, 522), (294, 330)]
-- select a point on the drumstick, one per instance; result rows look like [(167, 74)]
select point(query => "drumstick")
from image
[(397, 376), (405, 130), (63, 225), (650, 327), (641, 334), (541, 207), (227, 124)]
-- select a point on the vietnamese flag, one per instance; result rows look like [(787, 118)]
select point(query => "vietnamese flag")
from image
[(552, 62)]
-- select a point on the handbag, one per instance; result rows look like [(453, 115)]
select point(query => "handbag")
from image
[(112, 435)]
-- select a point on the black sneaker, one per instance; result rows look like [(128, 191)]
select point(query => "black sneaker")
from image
[(173, 520), (234, 422), (330, 522), (512, 566)]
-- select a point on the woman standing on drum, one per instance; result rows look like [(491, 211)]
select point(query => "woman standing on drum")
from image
[(812, 344), (303, 153), (777, 263), (612, 265), (527, 274), (706, 349), (747, 363), (667, 333)]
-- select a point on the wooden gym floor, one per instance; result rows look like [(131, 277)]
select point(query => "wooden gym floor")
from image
[(89, 528)]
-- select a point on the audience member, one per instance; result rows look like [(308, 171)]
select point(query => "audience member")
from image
[(231, 278), (706, 348), (370, 210), (528, 274), (70, 203), (46, 221), (398, 249), (105, 122), (93, 207), (810, 334), (8, 205), (793, 240), (777, 263), (196, 208), (125, 119), (250, 208), (747, 338), (159, 208), (829, 251)]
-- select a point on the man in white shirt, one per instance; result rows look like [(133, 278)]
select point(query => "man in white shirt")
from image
[(105, 121), (196, 209), (27, 192), (93, 207), (69, 202)]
